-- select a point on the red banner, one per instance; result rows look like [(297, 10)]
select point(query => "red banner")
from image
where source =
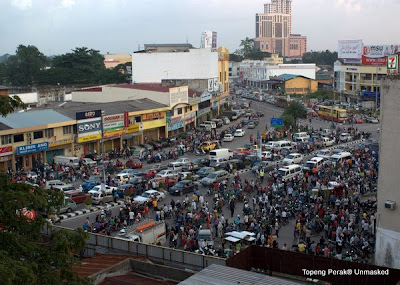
[(126, 119), (7, 150), (374, 61)]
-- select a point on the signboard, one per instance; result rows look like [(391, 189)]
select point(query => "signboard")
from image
[(25, 149), (210, 86), (88, 125), (153, 124), (392, 62), (133, 128), (60, 142), (126, 119), (378, 51), (153, 116), (7, 150), (205, 96), (113, 125), (216, 84), (178, 95), (351, 49), (276, 122), (370, 94), (214, 40), (175, 126), (88, 114), (374, 60), (203, 111)]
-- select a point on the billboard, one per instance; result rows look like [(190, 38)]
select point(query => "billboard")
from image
[(209, 39), (214, 40), (377, 54), (350, 49), (113, 125), (89, 125)]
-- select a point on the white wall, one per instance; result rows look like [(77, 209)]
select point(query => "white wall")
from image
[(387, 248), (195, 64), (307, 70), (27, 98)]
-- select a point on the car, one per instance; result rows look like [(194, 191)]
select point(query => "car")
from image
[(77, 196), (242, 150), (150, 173), (345, 137), (134, 163), (324, 142), (268, 146), (216, 176), (324, 153), (148, 147), (147, 197), (259, 165), (68, 206), (251, 125), (159, 166), (293, 158), (372, 120), (228, 138), (183, 161), (89, 162), (266, 155), (89, 184), (239, 133), (208, 145), (204, 171), (184, 174), (107, 188), (136, 180), (238, 162), (182, 187), (95, 157), (30, 175), (167, 173)]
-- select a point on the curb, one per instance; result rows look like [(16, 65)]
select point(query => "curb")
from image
[(92, 209)]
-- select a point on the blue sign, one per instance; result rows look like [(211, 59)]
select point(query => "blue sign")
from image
[(36, 147), (175, 126), (277, 122), (370, 94)]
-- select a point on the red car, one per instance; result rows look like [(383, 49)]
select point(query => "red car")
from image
[(77, 196), (242, 150), (150, 173), (134, 163)]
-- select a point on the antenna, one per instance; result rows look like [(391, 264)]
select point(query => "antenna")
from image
[(187, 39), (138, 47)]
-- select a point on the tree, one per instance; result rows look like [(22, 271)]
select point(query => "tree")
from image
[(293, 112), (9, 104), (248, 50), (235, 57), (27, 257), (24, 67), (320, 57)]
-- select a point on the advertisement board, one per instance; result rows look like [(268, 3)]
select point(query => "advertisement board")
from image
[(88, 125), (214, 40), (205, 96), (378, 51), (374, 60), (32, 148), (153, 116), (350, 49), (216, 84), (7, 150), (178, 95)]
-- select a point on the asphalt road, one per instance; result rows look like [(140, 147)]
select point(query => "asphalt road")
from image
[(286, 233)]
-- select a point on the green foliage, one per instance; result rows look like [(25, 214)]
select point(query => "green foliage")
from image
[(9, 104), (25, 256), (288, 121), (235, 57), (320, 57), (24, 67), (189, 177), (248, 51), (296, 111)]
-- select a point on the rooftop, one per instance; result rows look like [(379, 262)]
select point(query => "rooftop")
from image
[(32, 118), (146, 86), (3, 87)]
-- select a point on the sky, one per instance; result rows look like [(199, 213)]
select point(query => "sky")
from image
[(120, 26)]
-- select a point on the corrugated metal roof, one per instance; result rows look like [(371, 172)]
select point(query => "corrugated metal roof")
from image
[(146, 86), (286, 76), (224, 275), (32, 118)]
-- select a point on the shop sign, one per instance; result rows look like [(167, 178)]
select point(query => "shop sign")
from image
[(32, 148), (374, 60), (190, 116), (178, 95), (5, 158), (205, 96), (176, 119), (153, 124), (153, 116), (114, 133), (7, 150), (203, 111), (88, 115), (175, 126), (215, 105), (89, 138), (188, 121), (60, 142), (89, 130), (133, 128)]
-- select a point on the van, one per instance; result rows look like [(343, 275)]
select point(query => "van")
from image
[(205, 235), (217, 162), (224, 153), (121, 178), (100, 198), (205, 127), (289, 172), (315, 162), (303, 136), (53, 183), (68, 206), (340, 157), (211, 123), (71, 161), (64, 188), (177, 166), (277, 146)]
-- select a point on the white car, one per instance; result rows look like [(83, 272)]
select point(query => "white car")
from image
[(108, 189), (239, 133), (345, 137), (183, 175), (167, 173), (183, 161), (293, 158), (266, 155), (324, 153), (89, 162), (228, 138), (147, 196)]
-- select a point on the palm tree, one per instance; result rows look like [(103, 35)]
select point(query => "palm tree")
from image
[(295, 111)]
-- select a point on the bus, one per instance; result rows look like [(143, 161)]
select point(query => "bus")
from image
[(326, 112)]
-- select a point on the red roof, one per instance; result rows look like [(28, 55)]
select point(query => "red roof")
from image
[(191, 93), (146, 86), (94, 89)]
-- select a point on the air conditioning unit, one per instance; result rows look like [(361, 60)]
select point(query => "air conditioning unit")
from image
[(390, 205)]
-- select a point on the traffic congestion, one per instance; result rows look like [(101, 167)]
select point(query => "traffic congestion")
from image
[(233, 181)]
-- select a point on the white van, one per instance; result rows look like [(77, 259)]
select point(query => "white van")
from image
[(302, 136), (71, 161), (224, 153), (121, 178), (211, 123), (280, 144), (53, 183), (100, 198), (289, 172), (340, 157), (315, 162), (64, 188), (177, 166)]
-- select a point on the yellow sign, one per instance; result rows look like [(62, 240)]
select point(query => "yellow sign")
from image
[(263, 132), (89, 138), (114, 133), (153, 124), (133, 129), (60, 142), (153, 116)]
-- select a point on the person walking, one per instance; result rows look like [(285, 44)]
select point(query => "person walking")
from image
[(262, 175)]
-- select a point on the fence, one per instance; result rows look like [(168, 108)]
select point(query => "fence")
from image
[(165, 254), (292, 263)]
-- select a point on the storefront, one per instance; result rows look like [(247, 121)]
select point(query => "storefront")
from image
[(113, 130), (153, 126), (190, 120), (89, 130), (59, 147), (5, 158), (202, 115), (204, 107), (133, 136), (30, 156), (175, 125)]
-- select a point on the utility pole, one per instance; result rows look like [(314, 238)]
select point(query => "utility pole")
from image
[(102, 151)]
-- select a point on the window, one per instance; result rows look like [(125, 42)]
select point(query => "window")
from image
[(18, 138), (138, 119), (67, 130), (191, 108), (186, 109), (49, 133), (37, 135), (179, 111), (6, 139)]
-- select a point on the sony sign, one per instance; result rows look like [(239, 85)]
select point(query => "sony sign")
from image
[(88, 127)]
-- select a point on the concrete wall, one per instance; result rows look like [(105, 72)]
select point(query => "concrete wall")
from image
[(153, 67), (388, 225)]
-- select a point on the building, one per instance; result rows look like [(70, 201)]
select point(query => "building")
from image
[(208, 40), (274, 31), (112, 60), (297, 84), (234, 72), (4, 90), (258, 73), (357, 80), (167, 47), (387, 246)]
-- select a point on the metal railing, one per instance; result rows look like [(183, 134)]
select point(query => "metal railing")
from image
[(150, 251)]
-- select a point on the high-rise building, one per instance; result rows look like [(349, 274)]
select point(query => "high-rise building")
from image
[(274, 31)]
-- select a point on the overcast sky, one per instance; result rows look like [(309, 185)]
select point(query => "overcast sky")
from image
[(119, 26)]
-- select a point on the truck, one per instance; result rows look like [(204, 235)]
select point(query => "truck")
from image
[(232, 115), (148, 232)]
